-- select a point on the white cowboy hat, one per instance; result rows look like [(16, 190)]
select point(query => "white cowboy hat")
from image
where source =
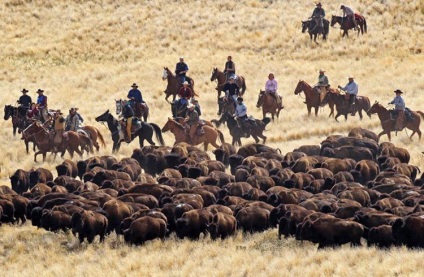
[(181, 58), (350, 77), (321, 70), (185, 83)]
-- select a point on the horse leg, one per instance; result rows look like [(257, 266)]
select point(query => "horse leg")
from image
[(337, 115), (316, 111), (27, 146), (205, 145), (360, 113)]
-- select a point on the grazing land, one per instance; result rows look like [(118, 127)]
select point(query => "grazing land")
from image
[(88, 53)]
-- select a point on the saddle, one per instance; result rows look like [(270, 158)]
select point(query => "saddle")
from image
[(136, 125)]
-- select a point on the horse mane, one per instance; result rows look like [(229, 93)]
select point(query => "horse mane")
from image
[(170, 74), (177, 124)]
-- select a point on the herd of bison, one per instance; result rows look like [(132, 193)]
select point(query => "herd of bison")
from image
[(344, 190)]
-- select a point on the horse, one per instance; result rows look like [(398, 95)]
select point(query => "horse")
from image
[(226, 104), (145, 132), (71, 141), (221, 79), (346, 24), (256, 130), (141, 110), (12, 112), (268, 103), (314, 30), (94, 134), (388, 125), (210, 136), (342, 104), (174, 83), (311, 98)]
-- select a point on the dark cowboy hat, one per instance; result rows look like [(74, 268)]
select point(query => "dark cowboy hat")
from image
[(134, 85), (24, 90), (398, 91), (40, 90), (73, 109), (58, 112), (342, 7), (240, 98), (319, 4)]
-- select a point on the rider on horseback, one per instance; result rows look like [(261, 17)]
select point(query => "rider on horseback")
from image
[(322, 86), (230, 68), (318, 15), (24, 101), (271, 87), (348, 12), (231, 89), (33, 112), (181, 69), (58, 130), (72, 120), (136, 99), (185, 93), (192, 121), (240, 115), (127, 114), (42, 105), (399, 111), (351, 89)]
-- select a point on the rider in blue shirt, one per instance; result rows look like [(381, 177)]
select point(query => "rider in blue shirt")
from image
[(135, 95)]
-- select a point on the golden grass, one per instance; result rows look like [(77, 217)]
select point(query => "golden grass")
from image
[(87, 53)]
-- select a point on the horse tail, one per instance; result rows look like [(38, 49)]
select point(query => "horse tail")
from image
[(87, 141), (243, 86), (100, 136), (421, 113), (266, 120), (221, 136), (365, 24), (158, 133)]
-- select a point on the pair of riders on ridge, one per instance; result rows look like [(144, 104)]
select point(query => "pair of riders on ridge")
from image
[(319, 13)]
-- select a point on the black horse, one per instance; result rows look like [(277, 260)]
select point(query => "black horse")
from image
[(143, 133), (226, 105), (12, 112), (315, 30), (254, 128), (180, 110)]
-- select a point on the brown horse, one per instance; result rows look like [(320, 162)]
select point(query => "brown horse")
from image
[(311, 98), (389, 125), (210, 136), (346, 24), (94, 134), (174, 84), (71, 141), (362, 103), (269, 104), (221, 78)]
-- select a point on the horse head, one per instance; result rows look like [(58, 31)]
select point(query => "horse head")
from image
[(165, 73), (7, 111), (118, 105), (214, 74), (375, 108), (168, 125), (260, 98), (299, 87), (334, 20), (103, 117), (305, 25)]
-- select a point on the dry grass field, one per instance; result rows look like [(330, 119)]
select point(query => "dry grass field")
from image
[(87, 53)]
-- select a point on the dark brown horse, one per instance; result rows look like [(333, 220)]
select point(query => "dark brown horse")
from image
[(314, 31), (221, 78), (346, 24), (255, 130), (210, 136), (362, 103), (269, 104), (71, 141), (389, 124), (311, 98), (174, 83), (226, 105), (19, 123)]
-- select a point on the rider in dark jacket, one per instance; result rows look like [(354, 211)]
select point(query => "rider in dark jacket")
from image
[(318, 15), (128, 114)]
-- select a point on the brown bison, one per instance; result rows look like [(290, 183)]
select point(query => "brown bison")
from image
[(193, 223), (88, 224), (144, 229), (222, 226)]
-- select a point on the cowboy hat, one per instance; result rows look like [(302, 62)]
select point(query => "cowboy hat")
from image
[(185, 83), (319, 4), (350, 77), (240, 99), (321, 70), (342, 7), (40, 90), (58, 112), (24, 90), (73, 109), (398, 91), (181, 58), (134, 85)]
